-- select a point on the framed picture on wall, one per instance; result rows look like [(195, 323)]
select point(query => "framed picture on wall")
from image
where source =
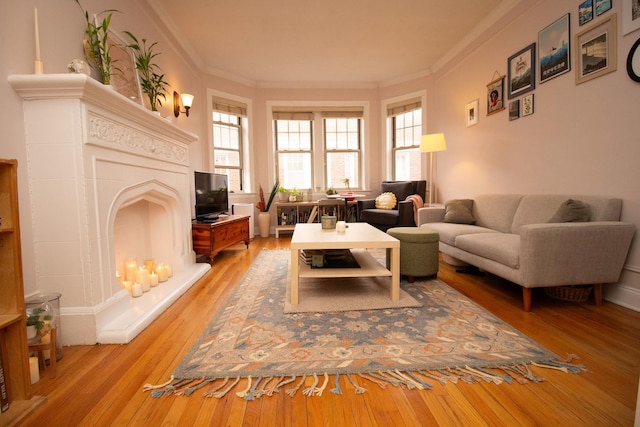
[(514, 110), (527, 105), (522, 71), (602, 6), (595, 50), (495, 96), (585, 12), (471, 113), (554, 49), (630, 16)]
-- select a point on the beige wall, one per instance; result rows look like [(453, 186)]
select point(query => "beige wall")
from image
[(579, 140)]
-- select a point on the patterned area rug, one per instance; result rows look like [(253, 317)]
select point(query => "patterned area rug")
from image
[(253, 346)]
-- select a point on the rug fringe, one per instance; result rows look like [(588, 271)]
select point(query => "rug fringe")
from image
[(258, 387)]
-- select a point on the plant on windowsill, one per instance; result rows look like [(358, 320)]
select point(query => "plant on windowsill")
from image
[(283, 194), (96, 49), (153, 84)]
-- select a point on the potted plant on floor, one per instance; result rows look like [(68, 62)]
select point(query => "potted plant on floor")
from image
[(96, 48), (264, 218), (153, 83)]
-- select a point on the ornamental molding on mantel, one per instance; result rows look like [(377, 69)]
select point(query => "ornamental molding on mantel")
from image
[(112, 135)]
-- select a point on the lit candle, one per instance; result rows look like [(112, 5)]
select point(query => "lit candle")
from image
[(127, 285), (169, 269), (161, 271), (119, 277), (153, 279), (34, 370), (130, 270), (150, 265), (39, 67), (142, 277), (136, 290)]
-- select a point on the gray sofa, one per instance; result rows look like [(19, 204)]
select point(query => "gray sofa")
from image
[(510, 236)]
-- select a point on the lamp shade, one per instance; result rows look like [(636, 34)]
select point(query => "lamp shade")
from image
[(432, 143), (187, 100)]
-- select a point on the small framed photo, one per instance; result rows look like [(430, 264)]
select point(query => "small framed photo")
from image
[(471, 113), (124, 76), (595, 50), (495, 96), (522, 71), (585, 12), (554, 49), (527, 105), (630, 16), (602, 6), (514, 110)]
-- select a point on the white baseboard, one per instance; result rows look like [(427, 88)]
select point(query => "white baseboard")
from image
[(625, 296)]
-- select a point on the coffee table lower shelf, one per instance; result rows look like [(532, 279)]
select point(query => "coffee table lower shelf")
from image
[(369, 267)]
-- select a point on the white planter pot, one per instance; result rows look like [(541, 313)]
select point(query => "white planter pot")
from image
[(264, 223)]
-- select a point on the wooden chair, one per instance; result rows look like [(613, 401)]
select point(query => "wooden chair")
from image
[(41, 347)]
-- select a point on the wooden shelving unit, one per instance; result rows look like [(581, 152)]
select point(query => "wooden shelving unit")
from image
[(13, 335), (291, 213)]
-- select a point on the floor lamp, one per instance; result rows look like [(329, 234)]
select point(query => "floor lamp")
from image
[(430, 144)]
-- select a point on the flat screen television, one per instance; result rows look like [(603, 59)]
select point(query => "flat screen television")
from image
[(212, 195)]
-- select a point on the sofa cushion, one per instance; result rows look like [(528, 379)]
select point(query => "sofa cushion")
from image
[(449, 231), (503, 248), (496, 211), (571, 211), (386, 201), (458, 211), (380, 216)]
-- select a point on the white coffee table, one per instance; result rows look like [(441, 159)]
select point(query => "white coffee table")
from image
[(358, 237)]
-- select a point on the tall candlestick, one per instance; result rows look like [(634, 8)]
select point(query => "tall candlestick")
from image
[(38, 65)]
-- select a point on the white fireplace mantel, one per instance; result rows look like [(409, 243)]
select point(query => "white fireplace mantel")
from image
[(95, 157)]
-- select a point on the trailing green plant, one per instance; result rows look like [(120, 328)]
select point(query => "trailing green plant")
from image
[(152, 82), (96, 48)]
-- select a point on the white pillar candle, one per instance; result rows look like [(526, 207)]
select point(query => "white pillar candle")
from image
[(153, 279), (127, 285), (130, 269), (136, 290), (38, 65), (142, 277), (161, 271), (169, 269), (341, 226), (150, 265), (34, 370)]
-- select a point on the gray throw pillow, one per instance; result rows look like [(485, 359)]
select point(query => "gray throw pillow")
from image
[(458, 211), (571, 211)]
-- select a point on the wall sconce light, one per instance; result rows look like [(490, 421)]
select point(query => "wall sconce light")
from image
[(187, 101)]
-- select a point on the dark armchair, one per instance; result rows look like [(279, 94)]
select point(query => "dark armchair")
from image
[(401, 215)]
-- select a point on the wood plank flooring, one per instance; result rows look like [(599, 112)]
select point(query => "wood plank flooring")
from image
[(101, 385)]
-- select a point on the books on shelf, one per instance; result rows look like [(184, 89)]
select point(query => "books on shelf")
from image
[(328, 258), (4, 396)]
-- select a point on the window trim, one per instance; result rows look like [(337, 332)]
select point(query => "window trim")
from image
[(387, 128)]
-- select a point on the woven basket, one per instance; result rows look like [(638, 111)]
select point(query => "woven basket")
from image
[(569, 293)]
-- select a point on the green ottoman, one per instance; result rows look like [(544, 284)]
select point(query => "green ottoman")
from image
[(418, 251)]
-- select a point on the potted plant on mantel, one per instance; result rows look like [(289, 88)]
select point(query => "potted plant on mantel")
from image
[(264, 218), (153, 84), (96, 49)]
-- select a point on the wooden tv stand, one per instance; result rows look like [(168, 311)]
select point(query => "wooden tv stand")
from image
[(211, 238)]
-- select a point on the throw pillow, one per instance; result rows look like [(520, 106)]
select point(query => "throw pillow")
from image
[(571, 211), (386, 201), (458, 211)]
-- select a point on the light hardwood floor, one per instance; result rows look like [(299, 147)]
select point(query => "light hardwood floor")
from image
[(101, 385)]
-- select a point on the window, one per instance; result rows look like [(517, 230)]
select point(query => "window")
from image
[(406, 131), (228, 126), (294, 149), (318, 146), (342, 143)]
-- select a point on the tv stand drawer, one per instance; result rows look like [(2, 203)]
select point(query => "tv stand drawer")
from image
[(211, 238)]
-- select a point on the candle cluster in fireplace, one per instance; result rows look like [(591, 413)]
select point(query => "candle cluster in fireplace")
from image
[(140, 278)]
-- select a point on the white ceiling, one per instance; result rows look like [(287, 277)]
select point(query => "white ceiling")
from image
[(326, 41)]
